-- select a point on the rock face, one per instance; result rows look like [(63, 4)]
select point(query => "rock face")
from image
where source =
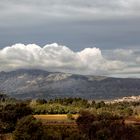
[(42, 84)]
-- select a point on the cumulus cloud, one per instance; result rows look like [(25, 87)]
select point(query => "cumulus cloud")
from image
[(54, 57)]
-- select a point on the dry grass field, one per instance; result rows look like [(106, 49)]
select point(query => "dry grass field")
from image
[(56, 117), (57, 120), (62, 119), (135, 120)]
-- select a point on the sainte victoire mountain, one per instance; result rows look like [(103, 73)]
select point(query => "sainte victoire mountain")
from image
[(35, 83)]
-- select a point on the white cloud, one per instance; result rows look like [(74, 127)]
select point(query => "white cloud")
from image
[(54, 57)]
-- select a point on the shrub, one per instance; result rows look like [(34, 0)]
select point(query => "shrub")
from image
[(70, 116), (28, 128)]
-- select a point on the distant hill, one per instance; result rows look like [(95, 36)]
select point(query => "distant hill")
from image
[(42, 84)]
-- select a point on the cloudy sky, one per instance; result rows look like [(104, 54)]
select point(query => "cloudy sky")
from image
[(99, 37)]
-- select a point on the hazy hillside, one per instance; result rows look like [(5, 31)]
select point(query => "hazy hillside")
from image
[(42, 84)]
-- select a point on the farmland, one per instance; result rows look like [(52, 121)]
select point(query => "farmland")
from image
[(56, 117), (68, 119)]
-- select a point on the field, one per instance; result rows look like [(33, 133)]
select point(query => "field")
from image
[(62, 119), (57, 119), (59, 125), (133, 120)]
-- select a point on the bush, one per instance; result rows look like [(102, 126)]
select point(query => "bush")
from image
[(28, 128), (9, 115), (70, 116)]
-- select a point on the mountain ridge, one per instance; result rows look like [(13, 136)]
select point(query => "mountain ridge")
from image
[(35, 83)]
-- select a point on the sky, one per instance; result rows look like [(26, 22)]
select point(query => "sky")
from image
[(98, 37)]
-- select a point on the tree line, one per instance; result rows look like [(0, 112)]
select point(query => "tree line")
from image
[(96, 121)]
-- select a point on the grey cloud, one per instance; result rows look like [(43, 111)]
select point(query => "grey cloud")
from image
[(123, 55), (106, 24), (105, 34), (68, 9), (127, 56)]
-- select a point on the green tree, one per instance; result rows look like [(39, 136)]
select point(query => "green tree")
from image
[(41, 101), (28, 128)]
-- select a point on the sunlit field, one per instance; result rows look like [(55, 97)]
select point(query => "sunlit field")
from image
[(56, 117)]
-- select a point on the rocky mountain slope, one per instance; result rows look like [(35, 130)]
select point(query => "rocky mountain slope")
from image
[(42, 84)]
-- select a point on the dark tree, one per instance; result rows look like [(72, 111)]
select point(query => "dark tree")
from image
[(28, 128), (84, 122), (9, 115)]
